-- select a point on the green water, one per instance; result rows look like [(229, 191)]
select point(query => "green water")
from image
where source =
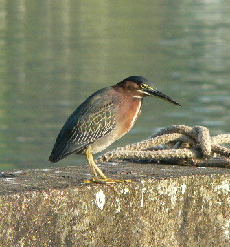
[(53, 54)]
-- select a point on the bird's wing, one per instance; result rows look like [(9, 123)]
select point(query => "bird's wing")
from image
[(92, 120), (94, 124)]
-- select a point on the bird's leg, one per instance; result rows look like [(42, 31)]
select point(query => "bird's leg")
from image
[(93, 166), (93, 171), (97, 171)]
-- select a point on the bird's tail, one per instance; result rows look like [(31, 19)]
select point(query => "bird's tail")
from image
[(60, 151)]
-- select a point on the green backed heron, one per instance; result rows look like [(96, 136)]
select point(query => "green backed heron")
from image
[(103, 118)]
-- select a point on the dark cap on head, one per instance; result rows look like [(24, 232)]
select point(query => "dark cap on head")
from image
[(136, 79)]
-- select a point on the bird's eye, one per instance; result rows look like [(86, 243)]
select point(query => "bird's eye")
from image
[(146, 86), (143, 85)]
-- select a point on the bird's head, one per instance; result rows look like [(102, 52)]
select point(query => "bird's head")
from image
[(140, 88)]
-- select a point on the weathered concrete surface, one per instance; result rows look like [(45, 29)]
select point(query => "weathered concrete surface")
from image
[(164, 206)]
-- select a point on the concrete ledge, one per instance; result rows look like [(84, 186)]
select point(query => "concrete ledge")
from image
[(164, 206)]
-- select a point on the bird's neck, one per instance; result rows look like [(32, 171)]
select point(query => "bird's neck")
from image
[(129, 110)]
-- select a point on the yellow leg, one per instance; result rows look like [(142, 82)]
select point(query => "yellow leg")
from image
[(98, 175), (93, 166)]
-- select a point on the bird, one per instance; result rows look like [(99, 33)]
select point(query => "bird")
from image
[(103, 118)]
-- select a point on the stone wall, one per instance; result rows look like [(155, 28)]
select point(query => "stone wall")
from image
[(163, 206)]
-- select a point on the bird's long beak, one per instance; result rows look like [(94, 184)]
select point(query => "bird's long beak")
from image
[(155, 92)]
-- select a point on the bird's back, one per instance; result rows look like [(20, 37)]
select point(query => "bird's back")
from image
[(93, 119)]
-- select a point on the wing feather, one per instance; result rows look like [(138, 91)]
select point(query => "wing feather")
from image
[(92, 120)]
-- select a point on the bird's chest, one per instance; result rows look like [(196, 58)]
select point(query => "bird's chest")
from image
[(128, 112)]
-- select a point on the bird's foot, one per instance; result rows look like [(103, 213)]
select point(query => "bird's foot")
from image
[(106, 181)]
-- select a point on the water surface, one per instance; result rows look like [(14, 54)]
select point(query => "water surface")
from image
[(54, 54)]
